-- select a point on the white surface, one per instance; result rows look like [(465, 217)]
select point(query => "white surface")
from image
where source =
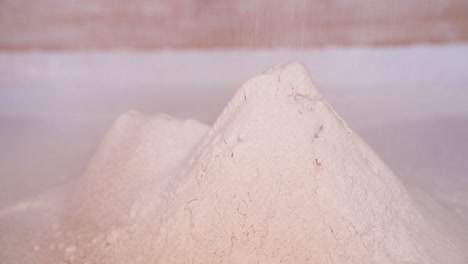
[(45, 84)]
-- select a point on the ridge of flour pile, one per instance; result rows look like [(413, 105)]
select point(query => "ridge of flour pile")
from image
[(279, 178)]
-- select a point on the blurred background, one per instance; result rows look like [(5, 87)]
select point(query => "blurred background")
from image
[(396, 71)]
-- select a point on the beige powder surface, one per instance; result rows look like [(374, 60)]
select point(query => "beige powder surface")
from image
[(279, 178)]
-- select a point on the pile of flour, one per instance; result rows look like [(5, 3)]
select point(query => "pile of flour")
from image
[(279, 178)]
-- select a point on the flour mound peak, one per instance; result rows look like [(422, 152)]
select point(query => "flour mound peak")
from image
[(280, 177)]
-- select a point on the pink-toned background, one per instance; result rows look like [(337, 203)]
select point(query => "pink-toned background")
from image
[(145, 24)]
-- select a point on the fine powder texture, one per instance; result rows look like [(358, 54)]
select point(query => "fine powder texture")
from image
[(279, 178)]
